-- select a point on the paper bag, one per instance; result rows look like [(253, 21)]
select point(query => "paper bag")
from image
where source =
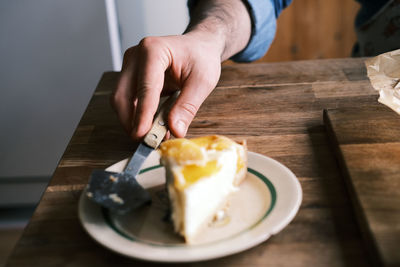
[(384, 74)]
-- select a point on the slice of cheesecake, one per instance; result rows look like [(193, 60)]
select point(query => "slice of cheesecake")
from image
[(201, 173)]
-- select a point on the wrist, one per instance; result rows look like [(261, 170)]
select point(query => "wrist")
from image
[(225, 23), (210, 37)]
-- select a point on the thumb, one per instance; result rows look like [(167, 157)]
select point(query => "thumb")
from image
[(193, 94)]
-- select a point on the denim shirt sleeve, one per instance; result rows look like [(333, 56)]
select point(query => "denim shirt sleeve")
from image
[(263, 14)]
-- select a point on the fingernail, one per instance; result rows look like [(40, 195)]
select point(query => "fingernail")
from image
[(181, 127)]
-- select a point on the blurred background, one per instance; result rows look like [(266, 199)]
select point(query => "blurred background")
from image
[(54, 52)]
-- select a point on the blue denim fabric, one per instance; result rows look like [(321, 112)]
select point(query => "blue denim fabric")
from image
[(263, 16)]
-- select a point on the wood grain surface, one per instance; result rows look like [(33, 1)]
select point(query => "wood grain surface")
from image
[(367, 142), (278, 108), (314, 29)]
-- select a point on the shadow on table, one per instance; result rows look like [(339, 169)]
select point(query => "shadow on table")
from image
[(337, 198)]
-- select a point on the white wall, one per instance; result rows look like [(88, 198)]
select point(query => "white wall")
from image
[(150, 18)]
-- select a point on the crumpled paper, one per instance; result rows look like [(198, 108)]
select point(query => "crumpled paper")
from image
[(384, 74)]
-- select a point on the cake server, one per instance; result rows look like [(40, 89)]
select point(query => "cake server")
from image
[(121, 192)]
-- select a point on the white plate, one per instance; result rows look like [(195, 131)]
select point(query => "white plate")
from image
[(267, 201)]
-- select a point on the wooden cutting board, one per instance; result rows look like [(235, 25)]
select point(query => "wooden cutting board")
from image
[(366, 141)]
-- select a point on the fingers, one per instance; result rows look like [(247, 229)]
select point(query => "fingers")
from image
[(123, 98), (138, 90), (195, 90), (170, 84), (143, 79), (153, 62)]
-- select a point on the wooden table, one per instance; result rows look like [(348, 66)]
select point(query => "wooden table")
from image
[(278, 108)]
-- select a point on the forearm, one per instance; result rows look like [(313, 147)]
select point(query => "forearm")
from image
[(225, 23)]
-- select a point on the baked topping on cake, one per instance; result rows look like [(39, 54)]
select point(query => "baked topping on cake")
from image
[(201, 173)]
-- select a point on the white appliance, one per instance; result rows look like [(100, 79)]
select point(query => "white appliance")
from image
[(53, 53)]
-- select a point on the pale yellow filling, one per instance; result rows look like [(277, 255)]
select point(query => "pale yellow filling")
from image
[(192, 173), (191, 156)]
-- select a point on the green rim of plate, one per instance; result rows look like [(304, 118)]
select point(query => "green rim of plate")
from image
[(267, 182)]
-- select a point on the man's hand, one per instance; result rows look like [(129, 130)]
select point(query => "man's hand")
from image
[(190, 62), (160, 65)]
